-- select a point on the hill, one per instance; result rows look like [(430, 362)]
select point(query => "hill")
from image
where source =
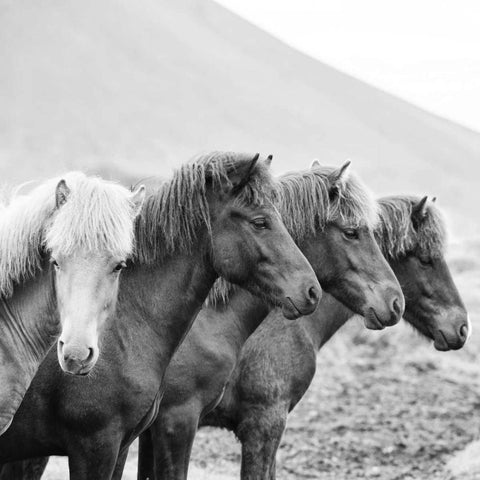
[(144, 85)]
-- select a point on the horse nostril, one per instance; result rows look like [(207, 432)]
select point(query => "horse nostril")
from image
[(313, 294), (396, 307), (464, 331), (60, 347), (91, 353)]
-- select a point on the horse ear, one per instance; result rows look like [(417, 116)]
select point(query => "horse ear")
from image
[(434, 199), (137, 197), (315, 164), (419, 211), (61, 193), (268, 161), (244, 177), (338, 177)]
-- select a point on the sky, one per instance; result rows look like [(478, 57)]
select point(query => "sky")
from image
[(425, 51)]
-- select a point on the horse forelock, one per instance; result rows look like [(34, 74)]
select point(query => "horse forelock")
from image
[(397, 235), (307, 205), (354, 204), (98, 217), (174, 213)]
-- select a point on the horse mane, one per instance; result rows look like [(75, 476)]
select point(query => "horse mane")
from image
[(93, 218), (397, 235), (174, 212), (98, 216), (306, 205)]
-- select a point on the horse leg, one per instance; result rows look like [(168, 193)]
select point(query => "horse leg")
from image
[(94, 458), (173, 434), (145, 470), (122, 458), (260, 432), (145, 456), (92, 467), (31, 469)]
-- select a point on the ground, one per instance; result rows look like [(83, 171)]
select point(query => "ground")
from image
[(383, 405)]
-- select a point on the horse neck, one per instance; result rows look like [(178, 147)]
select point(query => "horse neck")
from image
[(329, 317), (28, 327), (164, 299), (28, 320), (241, 316)]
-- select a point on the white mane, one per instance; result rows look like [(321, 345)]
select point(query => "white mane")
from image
[(98, 216)]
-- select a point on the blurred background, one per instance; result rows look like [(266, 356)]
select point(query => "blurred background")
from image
[(130, 89)]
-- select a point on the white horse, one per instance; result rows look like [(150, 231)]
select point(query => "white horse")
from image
[(83, 226)]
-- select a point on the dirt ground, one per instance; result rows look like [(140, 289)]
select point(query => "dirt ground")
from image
[(383, 405)]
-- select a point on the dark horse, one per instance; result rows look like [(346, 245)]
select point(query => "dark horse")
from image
[(214, 217), (334, 214), (276, 367)]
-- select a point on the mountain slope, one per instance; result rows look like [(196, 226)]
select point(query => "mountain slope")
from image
[(146, 84)]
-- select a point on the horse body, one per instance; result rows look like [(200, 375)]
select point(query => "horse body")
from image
[(93, 419)]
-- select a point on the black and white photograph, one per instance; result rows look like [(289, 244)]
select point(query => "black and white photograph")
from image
[(239, 240)]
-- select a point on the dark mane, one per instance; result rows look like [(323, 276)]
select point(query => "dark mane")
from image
[(174, 212), (397, 235), (306, 206)]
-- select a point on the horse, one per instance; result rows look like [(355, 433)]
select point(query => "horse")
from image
[(89, 221), (336, 235), (201, 370), (214, 217), (276, 367)]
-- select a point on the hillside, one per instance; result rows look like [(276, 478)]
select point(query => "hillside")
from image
[(146, 84)]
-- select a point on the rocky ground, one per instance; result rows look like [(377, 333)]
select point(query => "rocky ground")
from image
[(383, 405)]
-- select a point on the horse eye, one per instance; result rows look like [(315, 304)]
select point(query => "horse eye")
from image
[(350, 233), (259, 223), (54, 262), (426, 261), (120, 266)]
